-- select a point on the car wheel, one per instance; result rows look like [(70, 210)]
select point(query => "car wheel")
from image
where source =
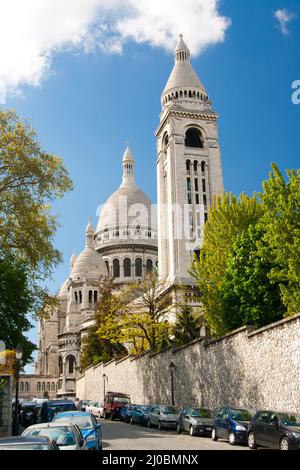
[(112, 416), (214, 435), (231, 438), (149, 424), (159, 426), (251, 441), (284, 443), (192, 431), (178, 428)]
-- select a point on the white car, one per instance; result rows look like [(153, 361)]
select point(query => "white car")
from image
[(65, 435), (97, 409), (89, 405)]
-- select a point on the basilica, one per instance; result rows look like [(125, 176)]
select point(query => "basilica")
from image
[(132, 235)]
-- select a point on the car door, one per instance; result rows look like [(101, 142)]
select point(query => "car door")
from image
[(259, 427), (222, 422), (186, 419), (273, 431)]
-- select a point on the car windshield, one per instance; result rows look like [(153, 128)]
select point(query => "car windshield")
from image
[(62, 435), (169, 410), (241, 415), (83, 422), (25, 447), (201, 413), (121, 400), (145, 409), (289, 419)]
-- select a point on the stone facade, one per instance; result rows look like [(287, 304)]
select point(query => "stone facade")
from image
[(248, 368), (34, 386), (6, 385)]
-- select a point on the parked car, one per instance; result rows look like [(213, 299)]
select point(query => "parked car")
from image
[(163, 416), (125, 412), (274, 430), (231, 424), (196, 421), (140, 414), (90, 429), (66, 435), (88, 406), (27, 443), (113, 404), (51, 407), (82, 405), (30, 413), (97, 409)]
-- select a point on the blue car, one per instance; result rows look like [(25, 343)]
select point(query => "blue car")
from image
[(231, 424), (91, 430), (139, 415), (125, 413)]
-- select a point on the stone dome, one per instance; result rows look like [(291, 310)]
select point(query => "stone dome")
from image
[(89, 263), (63, 291)]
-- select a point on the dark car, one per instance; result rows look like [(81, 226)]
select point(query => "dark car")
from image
[(51, 407), (196, 421), (27, 443), (30, 413), (275, 430), (140, 414), (231, 424), (125, 412)]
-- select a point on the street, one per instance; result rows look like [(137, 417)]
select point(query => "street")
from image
[(121, 436)]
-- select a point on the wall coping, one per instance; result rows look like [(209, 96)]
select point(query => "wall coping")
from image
[(274, 325), (122, 359), (208, 342)]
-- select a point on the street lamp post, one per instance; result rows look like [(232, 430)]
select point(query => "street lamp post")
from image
[(172, 368), (104, 378), (19, 354)]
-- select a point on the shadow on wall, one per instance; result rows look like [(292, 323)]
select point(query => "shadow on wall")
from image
[(207, 375)]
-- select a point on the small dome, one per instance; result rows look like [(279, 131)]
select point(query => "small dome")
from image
[(63, 291), (89, 264)]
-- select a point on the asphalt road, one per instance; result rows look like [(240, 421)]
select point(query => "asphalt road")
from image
[(121, 436)]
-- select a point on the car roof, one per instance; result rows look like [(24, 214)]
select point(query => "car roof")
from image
[(60, 402), (73, 413), (24, 440)]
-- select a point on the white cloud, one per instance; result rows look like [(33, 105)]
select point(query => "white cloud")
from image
[(32, 31), (284, 17)]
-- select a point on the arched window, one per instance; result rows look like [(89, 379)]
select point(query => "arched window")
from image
[(203, 167), (71, 364), (43, 386), (116, 268), (95, 296), (53, 386), (188, 165), (165, 141), (90, 296), (60, 365), (80, 297), (21, 386), (149, 265), (127, 267), (195, 166), (38, 386), (193, 138), (76, 296), (48, 386), (107, 266), (26, 386), (138, 267)]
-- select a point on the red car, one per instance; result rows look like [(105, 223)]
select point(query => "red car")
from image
[(113, 403)]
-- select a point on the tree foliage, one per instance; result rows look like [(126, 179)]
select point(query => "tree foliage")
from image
[(249, 265), (187, 326)]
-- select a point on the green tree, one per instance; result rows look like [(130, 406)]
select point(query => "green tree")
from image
[(187, 326), (103, 341), (17, 298), (247, 296), (281, 240), (229, 217), (30, 180)]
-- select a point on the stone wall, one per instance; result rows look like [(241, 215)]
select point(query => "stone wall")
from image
[(246, 368), (5, 405)]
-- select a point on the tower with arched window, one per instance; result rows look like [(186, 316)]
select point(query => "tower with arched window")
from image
[(189, 169)]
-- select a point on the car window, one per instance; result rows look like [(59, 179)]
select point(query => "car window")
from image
[(62, 435), (221, 412), (240, 415), (263, 417), (290, 419), (82, 421), (201, 413), (169, 410), (274, 418)]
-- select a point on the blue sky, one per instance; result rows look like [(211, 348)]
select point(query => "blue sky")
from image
[(88, 104)]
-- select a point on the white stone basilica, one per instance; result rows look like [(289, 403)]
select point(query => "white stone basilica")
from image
[(127, 243)]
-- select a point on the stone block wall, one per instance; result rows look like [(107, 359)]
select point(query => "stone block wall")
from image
[(6, 405), (247, 368)]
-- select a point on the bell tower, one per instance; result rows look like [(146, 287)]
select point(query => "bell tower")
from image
[(189, 169)]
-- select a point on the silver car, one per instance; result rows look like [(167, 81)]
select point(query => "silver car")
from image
[(196, 421), (163, 416), (65, 435)]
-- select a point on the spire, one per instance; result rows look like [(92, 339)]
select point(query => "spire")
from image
[(89, 235), (128, 168), (182, 52)]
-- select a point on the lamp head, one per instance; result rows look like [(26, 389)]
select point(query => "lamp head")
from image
[(19, 352)]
